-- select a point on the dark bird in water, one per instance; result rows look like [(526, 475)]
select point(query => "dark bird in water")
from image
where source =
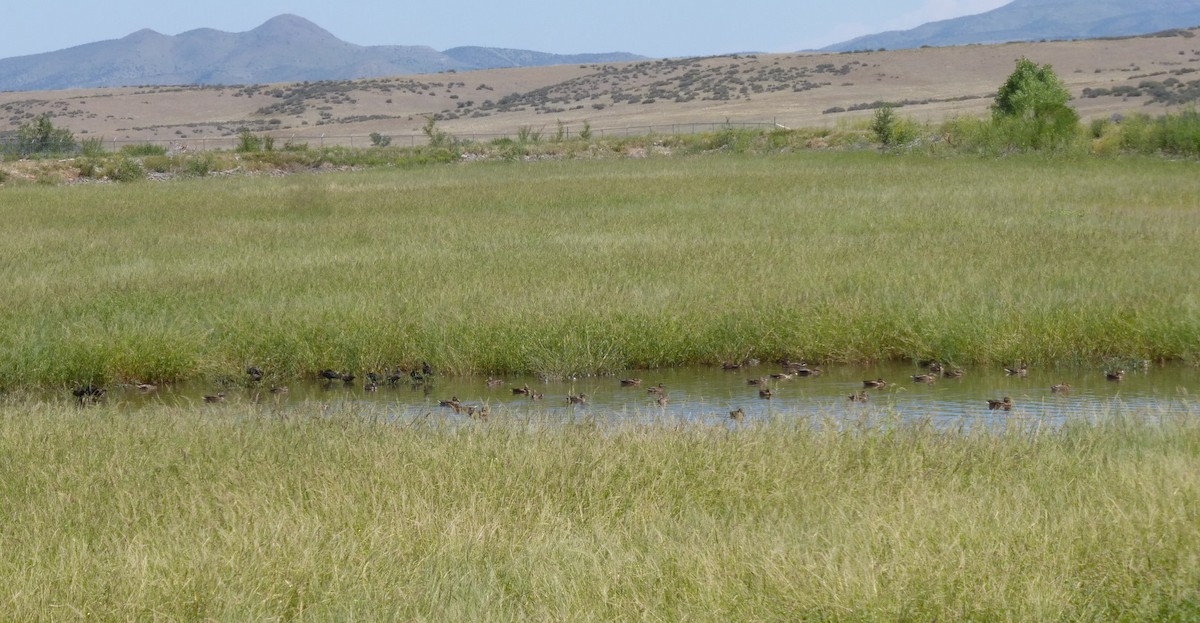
[(536, 395), (808, 371), (877, 383), (657, 389), (737, 414), (254, 373), (759, 381), (329, 374), (784, 376), (453, 403), (765, 393), (89, 393), (730, 366), (374, 378), (631, 382), (953, 373), (426, 368), (663, 400), (1061, 388), (1115, 375), (395, 376), (491, 382), (935, 367), (923, 378), (482, 412), (214, 398), (1005, 404), (859, 396), (348, 378), (416, 377), (1021, 370), (521, 391), (577, 400), (370, 386)]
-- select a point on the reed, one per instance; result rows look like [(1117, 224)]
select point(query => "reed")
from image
[(232, 512), (574, 266)]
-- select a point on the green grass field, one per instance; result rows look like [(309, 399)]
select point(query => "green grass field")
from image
[(230, 513), (601, 265)]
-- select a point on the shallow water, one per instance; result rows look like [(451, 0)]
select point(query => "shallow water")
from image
[(711, 393)]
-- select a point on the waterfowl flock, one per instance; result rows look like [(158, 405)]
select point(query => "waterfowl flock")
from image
[(765, 384)]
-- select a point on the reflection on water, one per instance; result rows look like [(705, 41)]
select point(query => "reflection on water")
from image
[(710, 394)]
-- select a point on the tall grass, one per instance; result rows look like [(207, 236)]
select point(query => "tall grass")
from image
[(594, 266), (231, 513)]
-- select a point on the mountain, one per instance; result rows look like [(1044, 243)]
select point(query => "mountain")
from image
[(1033, 20), (286, 48)]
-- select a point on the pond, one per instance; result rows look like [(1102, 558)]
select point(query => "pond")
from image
[(708, 393)]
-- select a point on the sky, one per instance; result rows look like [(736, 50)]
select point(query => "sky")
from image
[(653, 28)]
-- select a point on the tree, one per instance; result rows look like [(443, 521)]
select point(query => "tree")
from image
[(41, 137), (1033, 103)]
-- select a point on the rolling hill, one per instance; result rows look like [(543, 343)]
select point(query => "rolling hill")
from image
[(1034, 20), (285, 48)]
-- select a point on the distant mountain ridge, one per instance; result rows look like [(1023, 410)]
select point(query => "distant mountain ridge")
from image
[(285, 48), (1034, 20)]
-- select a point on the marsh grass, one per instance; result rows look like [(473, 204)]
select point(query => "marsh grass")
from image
[(596, 266), (236, 513)]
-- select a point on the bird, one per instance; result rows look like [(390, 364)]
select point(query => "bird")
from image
[(374, 378), (758, 381), (146, 388), (491, 382), (1021, 370), (935, 367), (1061, 388), (1005, 404), (859, 396), (254, 373), (536, 395), (426, 368), (737, 414), (924, 378), (808, 371), (348, 378), (577, 400), (521, 391), (730, 366), (370, 386), (453, 403), (663, 400), (479, 412), (876, 383), (633, 382), (279, 389), (765, 393), (784, 376), (953, 373), (218, 397), (1115, 375), (89, 393), (396, 375), (657, 389)]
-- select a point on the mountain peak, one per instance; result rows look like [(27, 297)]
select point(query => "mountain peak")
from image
[(288, 25)]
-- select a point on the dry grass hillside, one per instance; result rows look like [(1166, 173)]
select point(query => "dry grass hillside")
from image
[(1150, 74)]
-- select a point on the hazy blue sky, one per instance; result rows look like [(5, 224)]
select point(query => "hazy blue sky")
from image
[(665, 28)]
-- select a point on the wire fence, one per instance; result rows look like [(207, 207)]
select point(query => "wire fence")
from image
[(283, 139)]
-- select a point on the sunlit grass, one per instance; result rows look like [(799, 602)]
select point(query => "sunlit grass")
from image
[(232, 513), (601, 265)]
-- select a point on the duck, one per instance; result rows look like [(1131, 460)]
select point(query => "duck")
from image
[(1061, 388), (924, 378), (758, 381), (730, 366), (279, 389), (657, 389), (370, 386), (491, 382), (348, 378), (737, 414), (577, 400), (784, 376), (218, 397), (1021, 370), (631, 382), (536, 395), (329, 374), (859, 396), (476, 412), (953, 373), (875, 384), (808, 371), (1115, 375), (521, 391), (663, 400), (426, 368), (935, 367), (396, 375), (765, 393), (453, 403), (1005, 404), (374, 378), (146, 388)]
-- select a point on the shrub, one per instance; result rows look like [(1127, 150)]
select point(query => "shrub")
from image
[(89, 168), (41, 137), (1031, 108), (248, 142), (200, 165), (380, 140), (91, 146), (144, 149), (127, 170), (586, 132)]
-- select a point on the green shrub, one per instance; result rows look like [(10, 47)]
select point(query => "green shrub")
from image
[(248, 142), (41, 137), (144, 149), (89, 168), (159, 164), (91, 146), (127, 170), (200, 166)]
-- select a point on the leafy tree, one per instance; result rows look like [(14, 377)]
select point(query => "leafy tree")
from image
[(41, 137), (1032, 102)]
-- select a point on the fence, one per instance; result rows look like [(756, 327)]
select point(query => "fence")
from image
[(544, 133)]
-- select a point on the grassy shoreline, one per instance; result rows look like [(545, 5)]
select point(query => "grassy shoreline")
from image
[(230, 513), (596, 266)]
